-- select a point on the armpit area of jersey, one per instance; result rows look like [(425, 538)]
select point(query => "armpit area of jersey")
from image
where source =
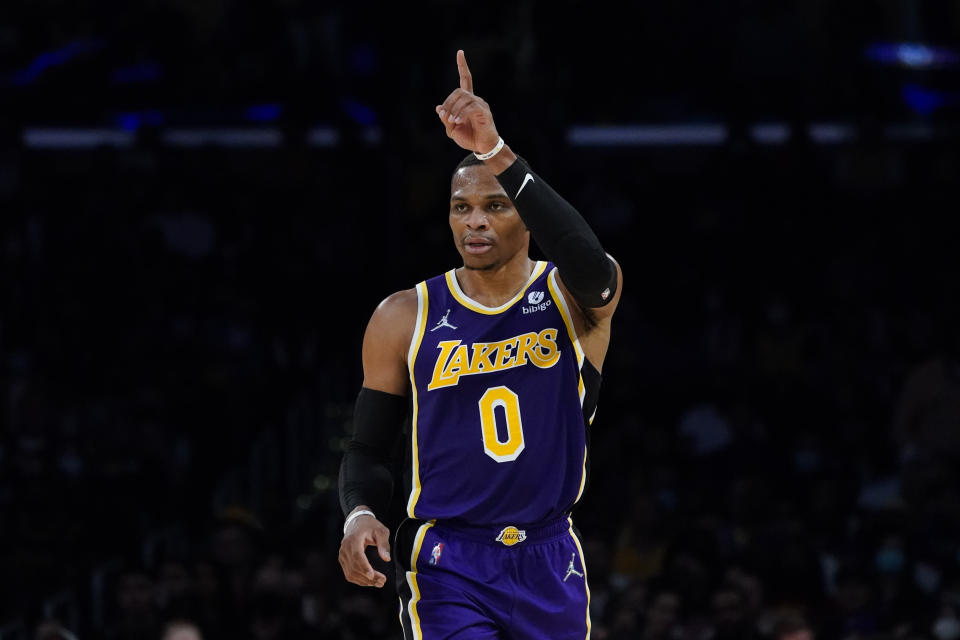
[(565, 237)]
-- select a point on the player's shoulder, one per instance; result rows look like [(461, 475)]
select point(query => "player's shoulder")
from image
[(398, 306), (391, 326)]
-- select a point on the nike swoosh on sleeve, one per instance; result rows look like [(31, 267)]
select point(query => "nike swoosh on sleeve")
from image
[(527, 178)]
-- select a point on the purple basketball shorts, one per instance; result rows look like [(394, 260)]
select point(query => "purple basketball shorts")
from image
[(500, 582)]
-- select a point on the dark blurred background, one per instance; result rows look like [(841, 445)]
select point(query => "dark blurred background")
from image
[(204, 200)]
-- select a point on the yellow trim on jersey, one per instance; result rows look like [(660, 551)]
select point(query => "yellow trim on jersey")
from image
[(473, 305), (583, 477), (412, 580), (572, 332), (583, 564), (422, 307), (567, 320)]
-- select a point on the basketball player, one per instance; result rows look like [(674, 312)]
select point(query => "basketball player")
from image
[(497, 366)]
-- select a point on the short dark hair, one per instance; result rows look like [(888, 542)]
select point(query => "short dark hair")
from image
[(470, 160)]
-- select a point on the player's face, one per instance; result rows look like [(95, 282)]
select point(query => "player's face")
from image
[(486, 228)]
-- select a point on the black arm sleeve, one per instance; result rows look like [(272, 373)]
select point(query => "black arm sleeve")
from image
[(365, 474), (563, 234)]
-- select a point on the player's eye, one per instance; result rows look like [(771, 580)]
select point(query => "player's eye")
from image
[(497, 206), (460, 207)]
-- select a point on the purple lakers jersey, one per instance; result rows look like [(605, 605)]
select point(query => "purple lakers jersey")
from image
[(500, 406)]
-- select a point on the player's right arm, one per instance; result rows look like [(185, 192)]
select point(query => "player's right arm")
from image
[(366, 482)]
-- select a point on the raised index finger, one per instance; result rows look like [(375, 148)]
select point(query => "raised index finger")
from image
[(466, 80)]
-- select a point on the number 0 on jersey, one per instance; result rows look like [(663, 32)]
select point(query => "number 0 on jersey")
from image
[(504, 398)]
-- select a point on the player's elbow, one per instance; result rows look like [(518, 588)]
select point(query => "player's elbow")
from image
[(591, 278)]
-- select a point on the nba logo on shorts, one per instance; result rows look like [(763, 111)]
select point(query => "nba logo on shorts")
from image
[(435, 554)]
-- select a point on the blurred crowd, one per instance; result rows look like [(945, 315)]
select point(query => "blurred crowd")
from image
[(776, 450)]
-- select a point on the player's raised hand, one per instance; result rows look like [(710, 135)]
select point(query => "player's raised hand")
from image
[(467, 117), (365, 531)]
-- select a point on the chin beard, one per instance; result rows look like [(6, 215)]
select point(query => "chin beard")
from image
[(485, 267)]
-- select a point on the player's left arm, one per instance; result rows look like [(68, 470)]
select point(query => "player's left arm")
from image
[(590, 280), (589, 275)]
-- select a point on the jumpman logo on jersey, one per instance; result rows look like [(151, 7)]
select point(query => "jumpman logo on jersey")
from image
[(443, 322), (572, 570)]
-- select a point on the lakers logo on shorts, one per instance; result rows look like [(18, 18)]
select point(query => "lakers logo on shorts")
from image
[(511, 536)]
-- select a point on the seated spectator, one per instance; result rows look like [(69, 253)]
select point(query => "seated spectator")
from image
[(137, 615), (52, 630), (181, 630), (792, 626)]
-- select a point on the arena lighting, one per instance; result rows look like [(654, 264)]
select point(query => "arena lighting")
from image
[(597, 136), (831, 132), (770, 133), (359, 112), (925, 101), (323, 137), (711, 134), (912, 55), (54, 58), (232, 138), (133, 120), (921, 101), (77, 138), (263, 112)]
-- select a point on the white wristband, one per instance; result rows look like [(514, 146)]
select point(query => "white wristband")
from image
[(491, 153), (354, 515)]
